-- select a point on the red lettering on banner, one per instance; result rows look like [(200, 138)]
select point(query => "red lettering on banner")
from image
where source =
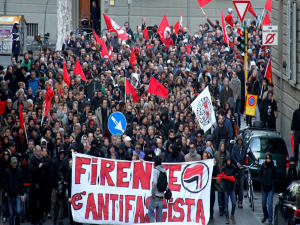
[(147, 206), (141, 176), (172, 179), (106, 170), (78, 167), (139, 212), (94, 171), (200, 212), (128, 207), (114, 198), (75, 198), (178, 209), (91, 207), (103, 208), (121, 174), (189, 202), (121, 208), (170, 209)]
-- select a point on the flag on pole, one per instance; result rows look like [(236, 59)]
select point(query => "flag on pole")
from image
[(145, 33), (266, 20), (268, 5), (132, 59), (98, 40), (48, 104), (202, 3), (157, 88), (162, 27), (2, 107), (176, 27), (229, 19), (129, 89), (78, 70), (268, 73), (251, 10), (112, 26), (225, 38), (104, 49), (21, 117), (204, 110), (66, 75), (181, 18)]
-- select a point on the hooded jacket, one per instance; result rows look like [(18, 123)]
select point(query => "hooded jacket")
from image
[(229, 171), (267, 174), (235, 85), (12, 181)]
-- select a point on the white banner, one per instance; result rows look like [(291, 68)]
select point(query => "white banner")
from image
[(108, 191), (204, 110)]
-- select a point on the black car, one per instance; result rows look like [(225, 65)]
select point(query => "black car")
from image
[(287, 211), (260, 141)]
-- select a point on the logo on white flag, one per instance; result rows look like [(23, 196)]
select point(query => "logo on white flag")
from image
[(204, 110)]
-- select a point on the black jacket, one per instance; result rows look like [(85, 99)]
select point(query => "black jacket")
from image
[(12, 181), (268, 175), (219, 134), (292, 175), (295, 126), (229, 171)]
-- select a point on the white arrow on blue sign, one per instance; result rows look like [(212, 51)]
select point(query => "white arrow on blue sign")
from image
[(117, 123)]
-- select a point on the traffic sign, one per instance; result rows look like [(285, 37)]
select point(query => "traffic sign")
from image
[(270, 35), (251, 105), (117, 123), (241, 7)]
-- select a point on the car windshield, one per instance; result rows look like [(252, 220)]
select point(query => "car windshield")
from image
[(268, 144)]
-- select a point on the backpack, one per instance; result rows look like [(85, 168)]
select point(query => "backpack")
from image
[(162, 182)]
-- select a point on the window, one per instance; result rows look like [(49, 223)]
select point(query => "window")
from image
[(32, 29), (268, 144)]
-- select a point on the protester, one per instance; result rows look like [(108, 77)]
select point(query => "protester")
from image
[(229, 189), (156, 201), (268, 175), (75, 118), (295, 132)]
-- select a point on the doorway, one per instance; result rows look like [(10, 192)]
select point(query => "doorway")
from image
[(85, 9)]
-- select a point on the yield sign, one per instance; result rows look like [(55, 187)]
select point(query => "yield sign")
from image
[(241, 7)]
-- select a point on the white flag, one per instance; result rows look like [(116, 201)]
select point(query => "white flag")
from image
[(204, 110)]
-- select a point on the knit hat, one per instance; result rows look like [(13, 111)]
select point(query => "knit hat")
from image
[(210, 151)]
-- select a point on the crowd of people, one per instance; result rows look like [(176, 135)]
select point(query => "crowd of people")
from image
[(36, 161)]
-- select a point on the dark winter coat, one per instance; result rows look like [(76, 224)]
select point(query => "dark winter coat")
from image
[(267, 174), (229, 186), (12, 181)]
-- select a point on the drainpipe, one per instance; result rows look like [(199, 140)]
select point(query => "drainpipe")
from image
[(280, 34), (294, 42), (4, 7), (45, 16)]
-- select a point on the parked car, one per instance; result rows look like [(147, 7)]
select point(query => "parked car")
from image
[(286, 210), (260, 141)]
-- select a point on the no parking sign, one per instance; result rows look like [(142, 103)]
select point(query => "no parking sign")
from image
[(251, 105)]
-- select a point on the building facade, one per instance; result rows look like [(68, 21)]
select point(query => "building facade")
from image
[(42, 17), (286, 62)]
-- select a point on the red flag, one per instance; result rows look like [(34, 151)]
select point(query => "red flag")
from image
[(112, 26), (268, 5), (110, 52), (129, 89), (268, 73), (2, 107), (48, 104), (78, 70), (251, 10), (21, 117), (157, 88), (104, 49), (240, 32), (224, 176), (176, 27), (188, 49), (225, 38), (145, 33), (202, 3), (132, 59), (266, 20), (292, 143), (98, 40), (162, 27), (229, 19), (180, 23), (66, 75)]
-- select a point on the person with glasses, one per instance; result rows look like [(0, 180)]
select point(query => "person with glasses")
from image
[(192, 155), (268, 175)]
